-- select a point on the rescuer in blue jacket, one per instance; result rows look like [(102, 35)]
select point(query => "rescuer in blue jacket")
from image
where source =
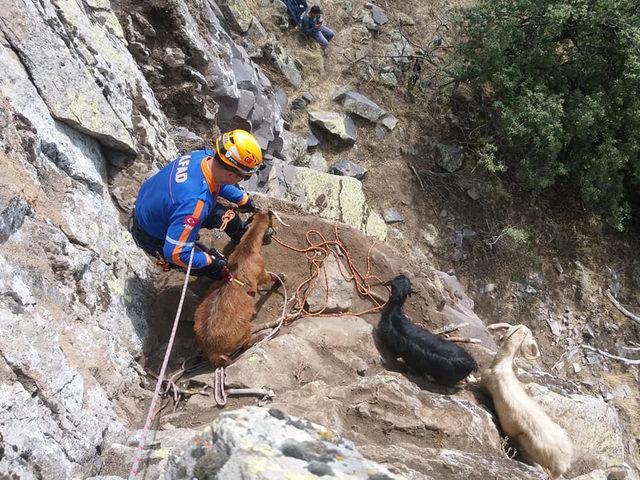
[(180, 199)]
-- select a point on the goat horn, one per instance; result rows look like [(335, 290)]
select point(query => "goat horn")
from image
[(275, 214), (497, 326)]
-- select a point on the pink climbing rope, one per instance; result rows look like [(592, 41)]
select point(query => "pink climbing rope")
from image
[(135, 469), (219, 375)]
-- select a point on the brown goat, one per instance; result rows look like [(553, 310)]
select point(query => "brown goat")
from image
[(223, 319)]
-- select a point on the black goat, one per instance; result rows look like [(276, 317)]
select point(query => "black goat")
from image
[(423, 353)]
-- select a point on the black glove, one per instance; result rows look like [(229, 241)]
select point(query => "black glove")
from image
[(248, 207), (217, 259)]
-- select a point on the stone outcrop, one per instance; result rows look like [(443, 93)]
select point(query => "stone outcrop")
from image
[(258, 443), (329, 196), (73, 295), (76, 62), (75, 292), (209, 82), (251, 444)]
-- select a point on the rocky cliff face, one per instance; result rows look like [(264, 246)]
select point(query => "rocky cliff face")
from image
[(94, 97)]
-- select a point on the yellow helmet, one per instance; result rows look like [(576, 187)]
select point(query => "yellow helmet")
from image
[(239, 150)]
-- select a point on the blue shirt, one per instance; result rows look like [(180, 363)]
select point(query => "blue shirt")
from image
[(172, 205)]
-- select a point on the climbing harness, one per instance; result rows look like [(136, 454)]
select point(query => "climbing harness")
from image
[(135, 469), (229, 215)]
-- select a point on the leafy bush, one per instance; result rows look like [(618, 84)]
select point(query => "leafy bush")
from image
[(563, 77)]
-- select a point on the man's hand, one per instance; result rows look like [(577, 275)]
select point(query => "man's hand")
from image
[(248, 207), (217, 258)]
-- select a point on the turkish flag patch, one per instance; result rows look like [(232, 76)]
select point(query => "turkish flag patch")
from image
[(191, 221)]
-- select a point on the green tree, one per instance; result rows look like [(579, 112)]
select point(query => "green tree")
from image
[(564, 77)]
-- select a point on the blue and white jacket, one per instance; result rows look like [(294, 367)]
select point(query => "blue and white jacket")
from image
[(172, 205)]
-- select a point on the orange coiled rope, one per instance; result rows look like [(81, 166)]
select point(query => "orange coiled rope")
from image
[(316, 254)]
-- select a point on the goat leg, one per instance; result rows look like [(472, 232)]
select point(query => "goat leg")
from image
[(462, 339), (497, 326), (265, 326), (450, 328)]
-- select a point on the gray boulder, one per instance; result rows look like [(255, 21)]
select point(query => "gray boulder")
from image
[(369, 22), (340, 92), (312, 141), (389, 121), (347, 168), (283, 99), (174, 57), (246, 103), (449, 157), (237, 13), (362, 106), (317, 162), (388, 79), (378, 15), (399, 48), (259, 443), (339, 125), (244, 73), (331, 291), (294, 149), (391, 215)]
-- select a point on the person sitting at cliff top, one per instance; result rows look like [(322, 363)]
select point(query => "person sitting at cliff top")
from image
[(313, 27), (179, 199), (296, 9)]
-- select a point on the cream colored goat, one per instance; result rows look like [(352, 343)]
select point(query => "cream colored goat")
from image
[(521, 417)]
